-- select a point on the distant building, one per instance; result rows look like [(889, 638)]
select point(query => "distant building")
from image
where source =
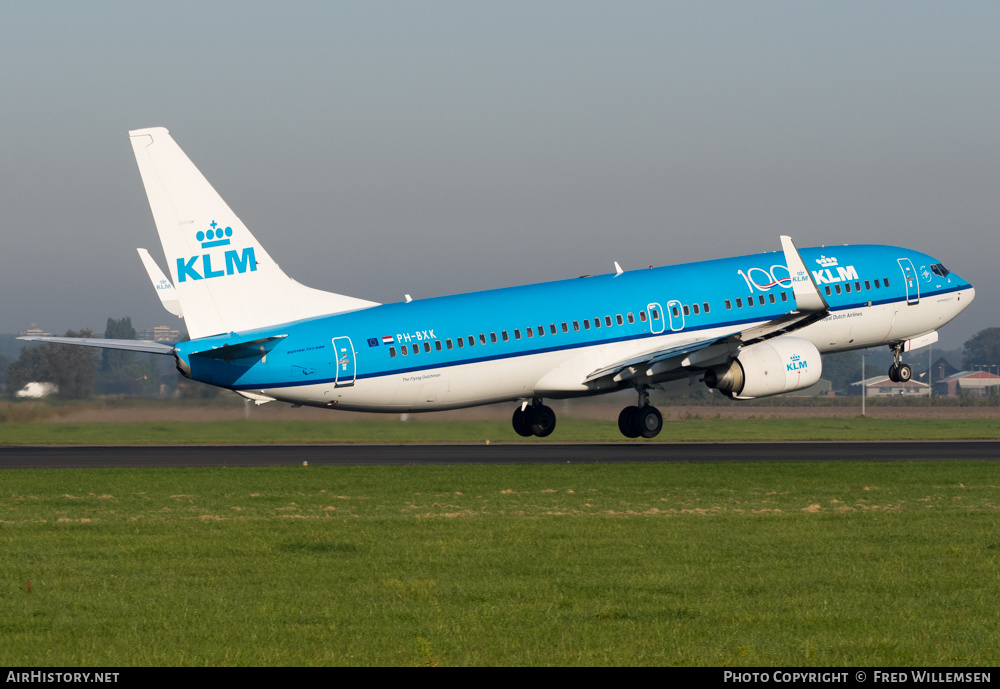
[(975, 383), (940, 369), (161, 333), (881, 386), (35, 331)]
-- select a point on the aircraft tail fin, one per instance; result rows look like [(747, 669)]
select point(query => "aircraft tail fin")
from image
[(223, 278)]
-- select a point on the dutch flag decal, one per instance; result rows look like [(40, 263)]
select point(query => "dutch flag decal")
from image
[(387, 339)]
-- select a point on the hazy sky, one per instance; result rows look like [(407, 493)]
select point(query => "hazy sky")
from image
[(380, 148)]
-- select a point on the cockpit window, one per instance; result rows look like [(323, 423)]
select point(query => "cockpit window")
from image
[(939, 269)]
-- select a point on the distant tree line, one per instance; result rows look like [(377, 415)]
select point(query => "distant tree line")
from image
[(80, 372)]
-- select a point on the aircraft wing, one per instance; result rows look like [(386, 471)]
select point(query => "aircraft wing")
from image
[(146, 346), (699, 354)]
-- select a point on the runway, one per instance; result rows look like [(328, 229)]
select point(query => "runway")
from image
[(63, 457)]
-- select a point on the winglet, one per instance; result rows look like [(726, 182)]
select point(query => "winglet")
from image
[(164, 288), (807, 296)]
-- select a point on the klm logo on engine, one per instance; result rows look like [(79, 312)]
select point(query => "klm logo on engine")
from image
[(233, 261), (797, 363), (826, 275)]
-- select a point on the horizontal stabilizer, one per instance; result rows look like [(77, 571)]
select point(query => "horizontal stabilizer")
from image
[(146, 346), (255, 349)]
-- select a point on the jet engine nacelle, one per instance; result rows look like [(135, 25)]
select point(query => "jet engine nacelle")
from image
[(768, 368)]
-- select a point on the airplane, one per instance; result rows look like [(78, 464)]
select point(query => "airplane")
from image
[(748, 327)]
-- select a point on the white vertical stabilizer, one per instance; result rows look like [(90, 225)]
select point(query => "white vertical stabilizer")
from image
[(224, 279)]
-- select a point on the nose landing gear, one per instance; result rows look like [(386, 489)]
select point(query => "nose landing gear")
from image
[(642, 420), (899, 372)]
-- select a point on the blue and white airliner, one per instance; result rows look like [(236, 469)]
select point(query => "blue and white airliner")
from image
[(749, 326)]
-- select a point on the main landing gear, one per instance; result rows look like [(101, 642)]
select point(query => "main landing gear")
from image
[(535, 419), (899, 372), (642, 420)]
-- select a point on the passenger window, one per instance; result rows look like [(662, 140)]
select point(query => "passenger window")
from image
[(576, 325), (687, 311), (607, 321), (696, 309), (705, 305), (541, 331), (392, 352), (586, 325), (530, 331), (472, 340), (438, 345), (857, 285), (729, 305), (675, 311), (618, 319), (784, 297), (631, 318), (761, 298), (885, 281), (597, 322), (565, 327), (750, 300), (847, 287), (403, 349), (552, 328), (503, 334), (877, 285), (656, 314), (828, 291), (427, 346), (517, 333), (642, 316), (837, 288), (461, 342), (493, 338), (448, 344), (482, 338), (739, 302), (415, 349), (770, 297), (868, 285)]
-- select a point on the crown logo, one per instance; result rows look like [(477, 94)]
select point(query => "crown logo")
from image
[(826, 262), (795, 357), (216, 236)]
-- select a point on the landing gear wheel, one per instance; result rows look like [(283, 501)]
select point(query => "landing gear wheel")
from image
[(894, 373), (899, 372), (543, 420), (648, 421), (626, 422), (522, 422)]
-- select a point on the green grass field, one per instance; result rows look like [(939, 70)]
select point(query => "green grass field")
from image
[(391, 430), (719, 564)]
